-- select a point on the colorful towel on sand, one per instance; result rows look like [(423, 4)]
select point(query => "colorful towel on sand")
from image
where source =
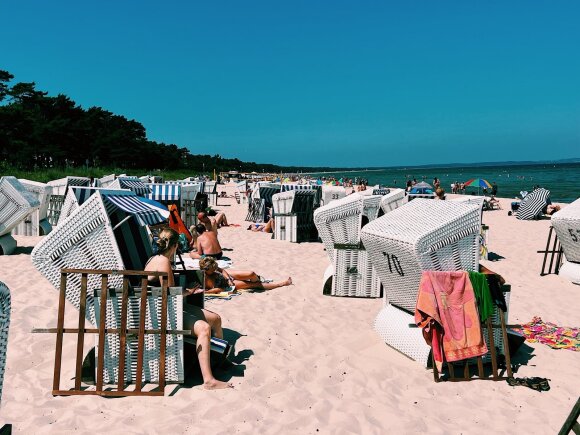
[(557, 337)]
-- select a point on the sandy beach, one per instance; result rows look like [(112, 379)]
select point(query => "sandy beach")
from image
[(306, 363)]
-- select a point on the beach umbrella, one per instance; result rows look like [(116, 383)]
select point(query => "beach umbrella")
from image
[(423, 185), (533, 204), (479, 182)]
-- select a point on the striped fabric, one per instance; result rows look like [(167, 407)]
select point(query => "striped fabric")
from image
[(381, 192), (165, 192), (4, 325), (143, 212), (533, 204), (83, 193), (135, 185), (287, 187)]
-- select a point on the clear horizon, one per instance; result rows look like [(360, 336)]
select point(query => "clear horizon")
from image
[(331, 84)]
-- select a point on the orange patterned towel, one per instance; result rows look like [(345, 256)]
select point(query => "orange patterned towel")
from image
[(447, 312)]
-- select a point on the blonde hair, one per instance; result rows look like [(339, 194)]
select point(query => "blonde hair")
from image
[(166, 240), (207, 263)]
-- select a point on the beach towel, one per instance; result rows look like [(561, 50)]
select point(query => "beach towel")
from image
[(446, 310), (550, 334)]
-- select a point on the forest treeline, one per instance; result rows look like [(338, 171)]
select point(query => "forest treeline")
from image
[(38, 131)]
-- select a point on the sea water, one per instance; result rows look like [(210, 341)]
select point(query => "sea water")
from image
[(562, 180)]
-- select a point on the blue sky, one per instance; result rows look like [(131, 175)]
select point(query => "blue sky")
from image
[(337, 83)]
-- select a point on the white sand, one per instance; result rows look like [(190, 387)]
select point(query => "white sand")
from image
[(313, 363)]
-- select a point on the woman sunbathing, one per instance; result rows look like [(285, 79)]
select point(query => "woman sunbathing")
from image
[(200, 321), (219, 280)]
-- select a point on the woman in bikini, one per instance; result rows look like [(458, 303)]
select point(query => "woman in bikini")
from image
[(219, 280), (200, 321)]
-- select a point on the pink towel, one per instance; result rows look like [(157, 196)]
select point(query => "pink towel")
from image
[(447, 312)]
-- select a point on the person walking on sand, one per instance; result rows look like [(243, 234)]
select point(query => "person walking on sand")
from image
[(218, 280), (200, 321)]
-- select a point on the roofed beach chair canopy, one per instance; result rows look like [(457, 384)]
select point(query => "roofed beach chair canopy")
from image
[(16, 203), (36, 224), (332, 193), (392, 200), (107, 232), (293, 213), (59, 190), (339, 225), (131, 183), (420, 235), (566, 223)]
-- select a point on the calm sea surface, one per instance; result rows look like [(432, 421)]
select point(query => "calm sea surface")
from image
[(563, 180)]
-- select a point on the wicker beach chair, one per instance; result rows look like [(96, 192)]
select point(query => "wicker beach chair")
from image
[(59, 190), (392, 200), (293, 213), (105, 181), (332, 193), (420, 235), (286, 187), (566, 223), (339, 225), (16, 203), (132, 183), (4, 326), (210, 189), (36, 224), (107, 232)]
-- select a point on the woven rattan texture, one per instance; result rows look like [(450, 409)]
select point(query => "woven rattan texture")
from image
[(421, 235), (339, 222), (84, 240), (4, 325), (174, 368), (392, 200), (16, 203), (566, 222), (354, 275)]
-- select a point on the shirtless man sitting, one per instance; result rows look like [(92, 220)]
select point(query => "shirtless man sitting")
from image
[(213, 223), (207, 243)]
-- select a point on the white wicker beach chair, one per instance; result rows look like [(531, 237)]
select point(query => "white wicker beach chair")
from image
[(371, 207), (107, 233), (174, 363), (210, 189), (392, 200), (131, 183), (4, 326), (36, 224), (332, 193), (339, 225), (16, 203), (293, 213), (59, 190), (566, 223), (420, 235), (105, 181)]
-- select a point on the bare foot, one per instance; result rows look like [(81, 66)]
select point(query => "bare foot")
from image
[(289, 281), (214, 384)]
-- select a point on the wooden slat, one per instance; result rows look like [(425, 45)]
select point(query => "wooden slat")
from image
[(492, 349), (59, 332), (571, 423), (123, 334), (135, 331), (480, 370), (163, 337), (81, 332), (506, 347), (102, 322), (141, 334)]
